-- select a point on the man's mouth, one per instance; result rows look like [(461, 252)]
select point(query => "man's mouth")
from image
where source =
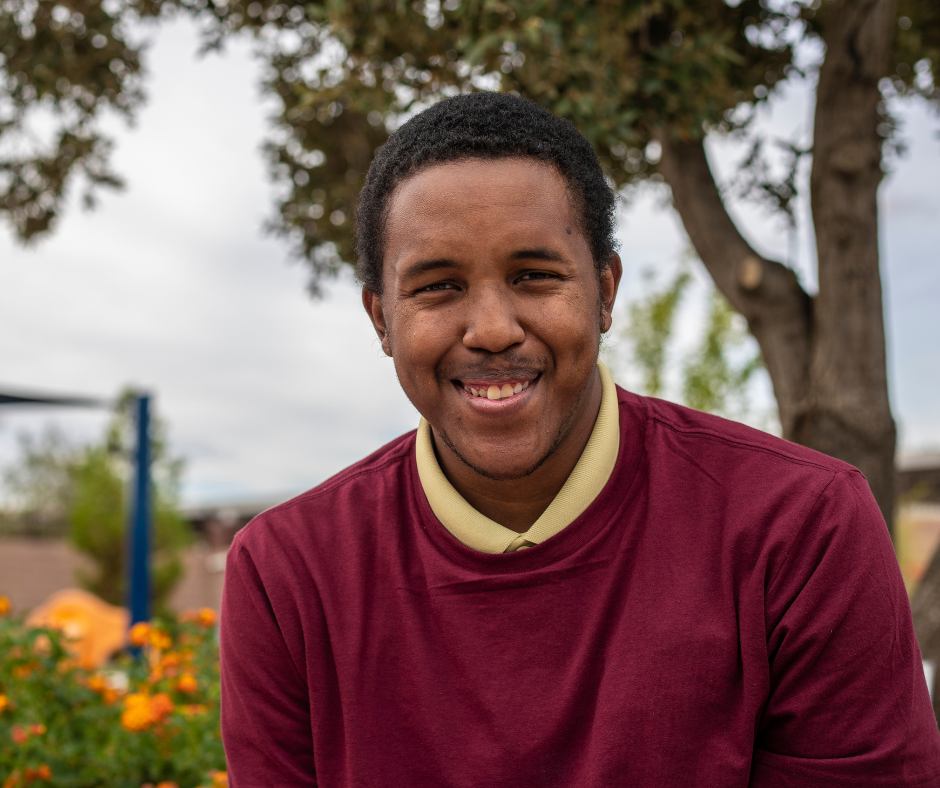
[(495, 390)]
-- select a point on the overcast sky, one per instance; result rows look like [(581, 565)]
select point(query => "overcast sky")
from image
[(173, 286)]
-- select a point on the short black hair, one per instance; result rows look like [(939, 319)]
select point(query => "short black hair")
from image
[(486, 126)]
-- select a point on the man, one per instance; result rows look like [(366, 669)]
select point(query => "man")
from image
[(554, 582)]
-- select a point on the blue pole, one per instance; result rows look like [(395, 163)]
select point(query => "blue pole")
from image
[(138, 579)]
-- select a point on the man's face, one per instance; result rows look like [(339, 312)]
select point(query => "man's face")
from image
[(492, 310)]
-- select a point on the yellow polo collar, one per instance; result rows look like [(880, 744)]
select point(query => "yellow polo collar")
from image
[(588, 478)]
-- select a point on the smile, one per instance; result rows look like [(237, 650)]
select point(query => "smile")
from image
[(496, 390)]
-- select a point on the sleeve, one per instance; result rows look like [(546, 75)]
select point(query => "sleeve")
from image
[(848, 703), (266, 726)]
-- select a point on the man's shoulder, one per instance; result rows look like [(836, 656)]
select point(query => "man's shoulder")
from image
[(704, 463), (679, 429), (355, 494)]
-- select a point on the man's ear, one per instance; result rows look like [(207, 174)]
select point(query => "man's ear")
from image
[(373, 304), (609, 283)]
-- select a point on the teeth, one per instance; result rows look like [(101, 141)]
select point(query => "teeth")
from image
[(495, 392)]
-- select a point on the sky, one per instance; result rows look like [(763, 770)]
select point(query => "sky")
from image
[(172, 286)]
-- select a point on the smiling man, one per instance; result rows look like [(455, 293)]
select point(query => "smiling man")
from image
[(554, 582)]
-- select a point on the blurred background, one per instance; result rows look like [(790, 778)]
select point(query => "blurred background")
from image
[(186, 285)]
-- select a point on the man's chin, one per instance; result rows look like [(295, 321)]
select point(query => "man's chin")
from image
[(495, 467)]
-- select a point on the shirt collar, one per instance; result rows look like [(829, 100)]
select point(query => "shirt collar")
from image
[(585, 483)]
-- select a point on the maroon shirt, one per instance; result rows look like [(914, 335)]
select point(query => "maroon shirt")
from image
[(728, 612)]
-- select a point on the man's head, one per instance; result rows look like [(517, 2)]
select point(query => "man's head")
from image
[(485, 283)]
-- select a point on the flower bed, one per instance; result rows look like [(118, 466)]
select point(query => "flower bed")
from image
[(147, 720)]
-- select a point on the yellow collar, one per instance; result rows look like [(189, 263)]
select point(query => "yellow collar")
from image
[(584, 484)]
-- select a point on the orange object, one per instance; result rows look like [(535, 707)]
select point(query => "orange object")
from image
[(140, 633), (142, 710), (93, 629), (219, 779)]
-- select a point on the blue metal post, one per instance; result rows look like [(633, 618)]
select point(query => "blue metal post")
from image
[(138, 576)]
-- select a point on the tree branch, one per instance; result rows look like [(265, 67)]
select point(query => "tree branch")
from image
[(766, 293)]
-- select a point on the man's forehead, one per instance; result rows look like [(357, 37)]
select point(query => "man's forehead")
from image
[(502, 177)]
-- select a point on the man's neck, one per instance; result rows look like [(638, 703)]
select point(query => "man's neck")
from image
[(518, 503)]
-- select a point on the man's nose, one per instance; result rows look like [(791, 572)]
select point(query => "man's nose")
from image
[(492, 322)]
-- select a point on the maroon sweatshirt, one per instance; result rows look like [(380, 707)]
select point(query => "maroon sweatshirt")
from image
[(728, 612)]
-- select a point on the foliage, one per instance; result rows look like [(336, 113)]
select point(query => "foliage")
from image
[(649, 329), (713, 380), (69, 60), (347, 72), (716, 374), (145, 720), (82, 492), (38, 487)]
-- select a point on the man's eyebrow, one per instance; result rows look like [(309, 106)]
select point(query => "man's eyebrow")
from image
[(537, 253), (423, 266)]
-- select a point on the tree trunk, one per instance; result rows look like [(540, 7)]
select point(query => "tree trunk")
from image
[(848, 413), (825, 355)]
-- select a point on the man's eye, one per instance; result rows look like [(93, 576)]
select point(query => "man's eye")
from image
[(534, 276), (438, 286)]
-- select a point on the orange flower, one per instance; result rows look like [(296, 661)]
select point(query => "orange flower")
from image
[(23, 671), (4, 605), (37, 729), (167, 785), (12, 780), (219, 779), (206, 617), (160, 640), (137, 715), (20, 734), (160, 706), (170, 660), (137, 700), (42, 773), (187, 683), (97, 683), (4, 703), (136, 719), (142, 710), (139, 634), (193, 709)]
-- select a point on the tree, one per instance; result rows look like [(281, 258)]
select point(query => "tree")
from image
[(714, 381), (650, 327), (715, 374), (645, 82), (81, 492), (38, 487)]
